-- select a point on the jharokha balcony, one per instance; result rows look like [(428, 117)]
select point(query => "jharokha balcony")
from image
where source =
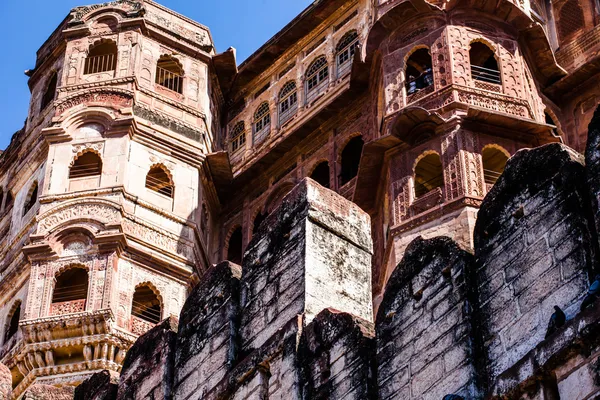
[(67, 342), (139, 326), (67, 307)]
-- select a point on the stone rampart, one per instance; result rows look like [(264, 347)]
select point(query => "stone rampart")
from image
[(295, 322)]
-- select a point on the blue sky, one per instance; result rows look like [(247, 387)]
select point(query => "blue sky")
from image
[(243, 24)]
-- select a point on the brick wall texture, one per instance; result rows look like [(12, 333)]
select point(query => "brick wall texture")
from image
[(295, 321)]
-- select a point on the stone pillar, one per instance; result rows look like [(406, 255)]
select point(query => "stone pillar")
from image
[(535, 249), (425, 346), (312, 253), (207, 337), (147, 371)]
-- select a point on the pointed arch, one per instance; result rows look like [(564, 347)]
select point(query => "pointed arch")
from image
[(87, 163), (418, 72), (494, 159), (234, 245), (102, 57), (70, 293), (288, 102), (31, 199), (50, 92), (147, 303), (169, 73), (345, 50), (483, 61), (317, 78), (350, 159), (428, 173), (262, 123), (237, 136), (12, 321), (159, 179)]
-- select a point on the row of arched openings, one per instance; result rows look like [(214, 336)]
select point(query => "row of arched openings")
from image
[(419, 68), (102, 57), (316, 81), (349, 163), (72, 285), (429, 171), (89, 164)]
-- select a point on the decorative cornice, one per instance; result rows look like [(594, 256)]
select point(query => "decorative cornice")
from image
[(131, 8)]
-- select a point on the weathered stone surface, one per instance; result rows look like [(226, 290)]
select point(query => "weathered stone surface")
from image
[(424, 332), (535, 247), (207, 340), (100, 386), (48, 392), (336, 357), (592, 162), (312, 253), (148, 367), (5, 382)]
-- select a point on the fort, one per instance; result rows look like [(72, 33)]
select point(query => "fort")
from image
[(387, 200)]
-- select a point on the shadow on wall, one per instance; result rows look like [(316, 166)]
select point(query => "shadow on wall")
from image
[(450, 323)]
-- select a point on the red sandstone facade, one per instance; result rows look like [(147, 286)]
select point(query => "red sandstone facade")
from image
[(147, 156)]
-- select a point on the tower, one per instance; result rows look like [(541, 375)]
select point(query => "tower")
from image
[(108, 201)]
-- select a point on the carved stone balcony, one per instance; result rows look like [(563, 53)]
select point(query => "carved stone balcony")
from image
[(55, 347), (139, 326), (427, 201), (67, 307), (486, 99)]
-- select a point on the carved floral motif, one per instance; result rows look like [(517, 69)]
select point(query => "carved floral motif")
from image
[(98, 212)]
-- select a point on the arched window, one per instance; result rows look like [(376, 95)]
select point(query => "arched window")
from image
[(238, 136), (146, 305), (70, 292), (321, 174), (169, 74), (31, 198), (288, 102), (102, 57), (351, 159), (317, 78), (160, 181), (419, 74), (12, 323), (345, 52), (86, 165), (260, 217), (494, 161), (8, 203), (429, 174), (262, 122), (50, 92), (234, 249), (484, 66), (570, 19)]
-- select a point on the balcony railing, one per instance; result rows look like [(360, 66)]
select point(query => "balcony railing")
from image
[(67, 307), (315, 91), (169, 79), (284, 116), (486, 75), (427, 200), (140, 326), (103, 63)]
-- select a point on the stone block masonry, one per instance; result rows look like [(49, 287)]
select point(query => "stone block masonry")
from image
[(535, 248), (294, 321), (424, 324)]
